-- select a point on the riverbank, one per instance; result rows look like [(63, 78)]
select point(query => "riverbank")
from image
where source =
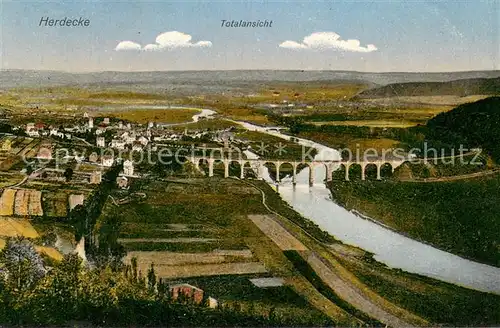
[(450, 215), (443, 303)]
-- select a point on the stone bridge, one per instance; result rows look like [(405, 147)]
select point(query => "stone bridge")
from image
[(328, 165)]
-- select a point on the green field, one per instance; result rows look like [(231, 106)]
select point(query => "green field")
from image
[(283, 300)]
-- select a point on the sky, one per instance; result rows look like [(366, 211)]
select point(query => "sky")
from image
[(154, 35)]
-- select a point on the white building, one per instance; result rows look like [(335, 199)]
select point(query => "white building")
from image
[(33, 133), (120, 125), (91, 123), (137, 146), (101, 142), (106, 120), (107, 160), (128, 168), (118, 144), (143, 140)]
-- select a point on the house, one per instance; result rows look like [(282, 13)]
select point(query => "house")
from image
[(137, 146), (100, 130), (107, 160), (93, 158), (96, 177), (120, 125), (122, 182), (45, 152), (54, 131), (79, 158), (106, 120), (91, 123), (128, 168), (32, 132), (85, 115), (212, 302), (130, 138), (101, 142), (190, 292), (143, 140), (118, 144)]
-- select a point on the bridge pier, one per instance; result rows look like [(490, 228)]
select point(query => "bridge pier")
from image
[(259, 171), (242, 170), (329, 170), (226, 169), (311, 175), (257, 166), (210, 168)]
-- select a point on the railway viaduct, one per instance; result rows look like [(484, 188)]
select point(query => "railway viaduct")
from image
[(330, 166)]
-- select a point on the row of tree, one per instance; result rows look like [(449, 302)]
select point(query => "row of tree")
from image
[(34, 291)]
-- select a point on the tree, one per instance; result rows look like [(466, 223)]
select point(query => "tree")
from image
[(56, 299), (133, 261), (22, 265), (151, 278), (29, 169), (68, 174)]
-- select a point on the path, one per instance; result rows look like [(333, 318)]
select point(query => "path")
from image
[(18, 184), (455, 177), (347, 290)]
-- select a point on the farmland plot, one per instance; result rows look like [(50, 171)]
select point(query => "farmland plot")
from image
[(7, 202), (75, 200), (11, 227), (21, 202), (55, 204), (35, 203)]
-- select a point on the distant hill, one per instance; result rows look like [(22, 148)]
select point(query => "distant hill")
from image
[(474, 124), (190, 81), (463, 87)]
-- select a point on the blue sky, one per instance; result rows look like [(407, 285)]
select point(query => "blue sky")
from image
[(407, 35)]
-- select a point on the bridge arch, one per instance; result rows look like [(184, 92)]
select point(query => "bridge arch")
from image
[(250, 169), (340, 173), (236, 168), (220, 167), (272, 168), (204, 166), (371, 171), (355, 171), (286, 169), (386, 170)]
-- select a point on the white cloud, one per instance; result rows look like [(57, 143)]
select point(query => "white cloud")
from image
[(165, 41), (128, 45), (328, 40)]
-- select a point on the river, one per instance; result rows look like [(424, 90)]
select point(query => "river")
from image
[(389, 247)]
